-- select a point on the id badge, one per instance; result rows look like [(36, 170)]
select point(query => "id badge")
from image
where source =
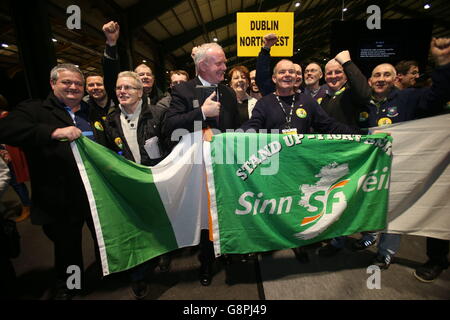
[(289, 131)]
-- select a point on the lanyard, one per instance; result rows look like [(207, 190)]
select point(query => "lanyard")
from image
[(288, 117), (339, 91), (72, 114)]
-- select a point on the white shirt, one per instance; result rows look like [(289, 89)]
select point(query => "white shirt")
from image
[(129, 123)]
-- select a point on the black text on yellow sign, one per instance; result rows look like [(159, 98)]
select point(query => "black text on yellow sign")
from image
[(253, 26)]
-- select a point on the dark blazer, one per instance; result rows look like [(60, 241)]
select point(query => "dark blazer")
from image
[(58, 194), (183, 111)]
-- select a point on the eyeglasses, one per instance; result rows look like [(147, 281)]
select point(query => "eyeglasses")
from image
[(126, 88), (68, 83)]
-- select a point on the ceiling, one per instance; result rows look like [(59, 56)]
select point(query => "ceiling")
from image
[(166, 30)]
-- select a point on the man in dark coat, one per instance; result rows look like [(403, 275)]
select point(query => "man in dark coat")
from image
[(218, 110), (44, 130)]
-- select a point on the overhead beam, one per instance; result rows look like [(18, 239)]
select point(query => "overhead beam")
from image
[(186, 37), (145, 11)]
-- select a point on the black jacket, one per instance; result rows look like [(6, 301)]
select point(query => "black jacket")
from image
[(149, 125), (410, 103), (183, 111), (346, 106), (97, 117), (58, 194)]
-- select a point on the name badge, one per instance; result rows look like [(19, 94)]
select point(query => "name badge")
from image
[(289, 131)]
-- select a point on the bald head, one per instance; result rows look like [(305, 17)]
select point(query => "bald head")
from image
[(335, 76), (382, 79), (313, 73)]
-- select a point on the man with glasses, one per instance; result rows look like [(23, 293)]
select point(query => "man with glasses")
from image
[(128, 128), (132, 123), (44, 130), (407, 73)]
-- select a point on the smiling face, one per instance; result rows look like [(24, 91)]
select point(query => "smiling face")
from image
[(128, 91), (334, 75), (382, 79), (146, 76), (409, 79), (253, 87), (239, 82), (68, 88), (313, 73), (284, 77), (213, 67), (95, 87), (298, 75)]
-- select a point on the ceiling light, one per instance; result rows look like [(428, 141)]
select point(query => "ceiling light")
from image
[(144, 61), (427, 6), (297, 4), (54, 40), (4, 45), (215, 39), (345, 9)]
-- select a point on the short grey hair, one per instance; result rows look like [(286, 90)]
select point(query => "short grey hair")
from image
[(64, 67), (133, 75), (201, 53), (274, 72)]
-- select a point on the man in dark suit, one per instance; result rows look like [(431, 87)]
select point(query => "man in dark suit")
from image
[(44, 129), (218, 111)]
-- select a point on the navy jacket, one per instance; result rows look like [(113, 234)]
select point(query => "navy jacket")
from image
[(411, 103), (307, 114)]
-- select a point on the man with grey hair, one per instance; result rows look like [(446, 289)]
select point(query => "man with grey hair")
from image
[(132, 123), (44, 130), (191, 103), (128, 128)]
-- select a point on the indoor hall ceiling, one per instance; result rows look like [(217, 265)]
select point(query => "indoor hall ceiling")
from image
[(169, 29)]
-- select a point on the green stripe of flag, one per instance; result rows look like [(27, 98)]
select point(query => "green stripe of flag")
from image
[(131, 223)]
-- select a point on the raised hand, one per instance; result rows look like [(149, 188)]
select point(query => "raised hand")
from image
[(270, 39), (440, 50), (111, 31)]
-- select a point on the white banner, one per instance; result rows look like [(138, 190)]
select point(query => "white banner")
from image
[(419, 198)]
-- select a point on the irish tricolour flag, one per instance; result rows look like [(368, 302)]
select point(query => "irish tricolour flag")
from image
[(142, 212), (262, 192)]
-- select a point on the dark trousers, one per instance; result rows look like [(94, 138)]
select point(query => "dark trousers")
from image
[(68, 247), (67, 243), (7, 279), (206, 255), (437, 251)]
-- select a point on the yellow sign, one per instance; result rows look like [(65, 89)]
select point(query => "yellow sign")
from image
[(253, 26)]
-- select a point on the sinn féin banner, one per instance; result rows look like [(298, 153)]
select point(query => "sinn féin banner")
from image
[(270, 192)]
